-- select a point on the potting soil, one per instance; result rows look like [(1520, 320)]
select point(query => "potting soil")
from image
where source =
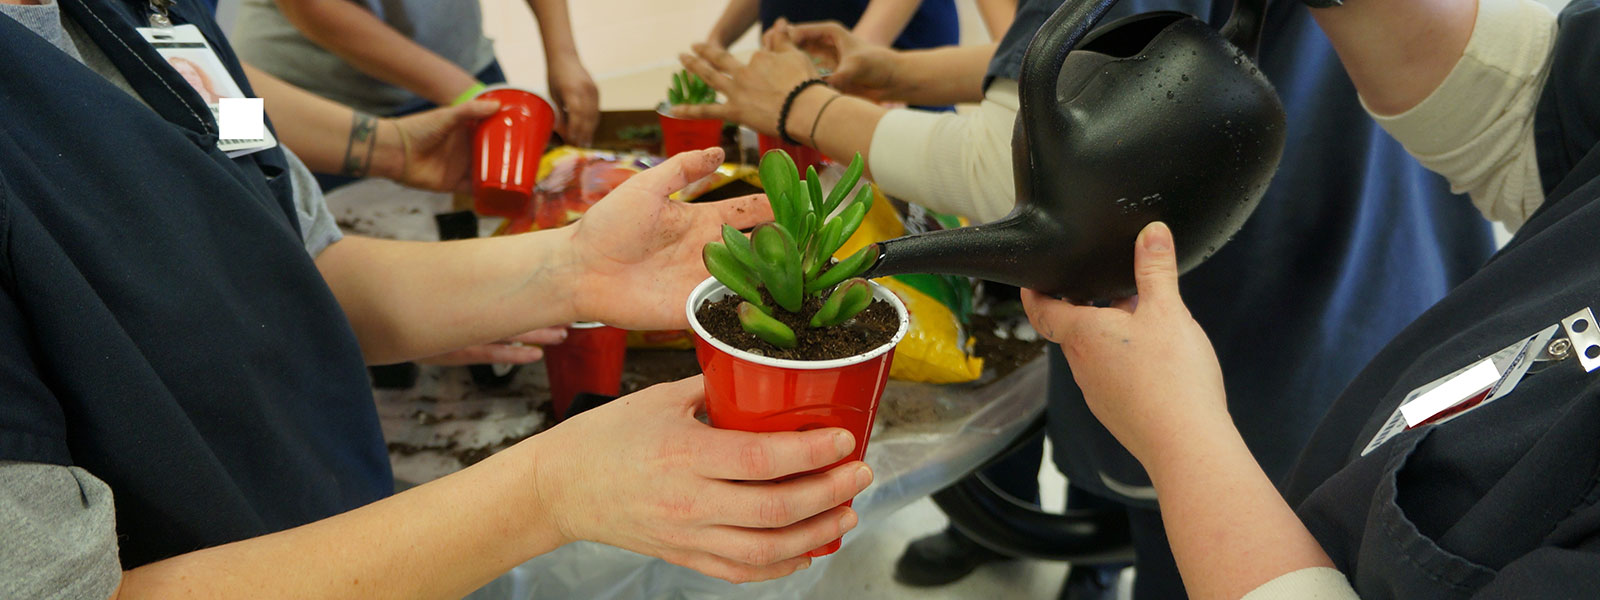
[(869, 329)]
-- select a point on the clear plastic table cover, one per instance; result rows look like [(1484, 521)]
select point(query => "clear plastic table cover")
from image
[(926, 438), (909, 461)]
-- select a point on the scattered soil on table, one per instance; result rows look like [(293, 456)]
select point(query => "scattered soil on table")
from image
[(869, 329), (1002, 355), (645, 368)]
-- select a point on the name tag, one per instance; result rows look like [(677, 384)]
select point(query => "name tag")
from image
[(1493, 377), (242, 129)]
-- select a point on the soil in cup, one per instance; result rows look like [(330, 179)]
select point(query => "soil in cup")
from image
[(873, 327)]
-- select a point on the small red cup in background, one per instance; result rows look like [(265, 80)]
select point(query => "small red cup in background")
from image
[(683, 135), (747, 392), (589, 361), (804, 156), (507, 147)]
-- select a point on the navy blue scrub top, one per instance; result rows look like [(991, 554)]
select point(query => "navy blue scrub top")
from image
[(1352, 241), (161, 325), (934, 24), (1504, 501)]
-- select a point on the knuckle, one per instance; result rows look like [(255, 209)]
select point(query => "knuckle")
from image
[(755, 460), (760, 553), (774, 511)]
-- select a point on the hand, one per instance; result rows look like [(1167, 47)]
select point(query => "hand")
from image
[(638, 252), (437, 153), (577, 100), (754, 93), (1145, 367), (517, 350), (858, 68), (641, 473)]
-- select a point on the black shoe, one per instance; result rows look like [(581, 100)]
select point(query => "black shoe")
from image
[(942, 558), (1091, 583)]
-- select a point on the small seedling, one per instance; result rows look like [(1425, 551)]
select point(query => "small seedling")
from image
[(792, 256), (688, 88)]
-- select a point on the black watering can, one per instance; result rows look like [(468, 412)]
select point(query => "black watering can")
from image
[(1156, 116)]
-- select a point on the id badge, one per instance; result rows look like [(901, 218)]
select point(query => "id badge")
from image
[(1493, 377), (186, 50)]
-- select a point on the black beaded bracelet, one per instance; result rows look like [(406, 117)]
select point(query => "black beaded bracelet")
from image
[(788, 103)]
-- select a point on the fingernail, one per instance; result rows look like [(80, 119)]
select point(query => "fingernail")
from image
[(843, 442), (848, 521), (863, 476), (1156, 237), (805, 565)]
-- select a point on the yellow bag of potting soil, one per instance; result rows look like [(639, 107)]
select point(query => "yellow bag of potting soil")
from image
[(936, 349)]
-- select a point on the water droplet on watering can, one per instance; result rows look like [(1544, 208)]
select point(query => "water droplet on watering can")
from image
[(1236, 60), (1185, 77), (1170, 94)]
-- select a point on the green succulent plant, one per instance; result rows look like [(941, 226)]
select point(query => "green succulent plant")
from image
[(688, 88), (791, 257)]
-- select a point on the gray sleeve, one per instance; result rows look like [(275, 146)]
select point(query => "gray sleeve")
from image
[(60, 534), (317, 228)]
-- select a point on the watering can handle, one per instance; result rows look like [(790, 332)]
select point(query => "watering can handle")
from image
[(1059, 35), (1245, 24)]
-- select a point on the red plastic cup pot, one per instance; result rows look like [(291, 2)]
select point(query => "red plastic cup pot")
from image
[(804, 156), (590, 360), (507, 146), (683, 135), (747, 392)]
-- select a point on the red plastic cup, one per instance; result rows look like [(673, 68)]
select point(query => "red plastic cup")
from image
[(756, 393), (803, 156), (507, 147), (683, 135), (589, 361)]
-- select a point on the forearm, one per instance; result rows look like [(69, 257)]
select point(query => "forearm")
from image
[(997, 16), (952, 163), (440, 540), (320, 131), (1229, 528), (555, 29), (737, 18), (361, 39), (412, 299), (883, 20), (940, 76), (1398, 52), (843, 130)]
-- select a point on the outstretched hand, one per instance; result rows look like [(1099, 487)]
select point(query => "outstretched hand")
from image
[(638, 252), (1146, 369), (641, 473), (858, 67), (755, 92)]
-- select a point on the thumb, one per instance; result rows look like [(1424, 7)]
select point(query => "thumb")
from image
[(678, 171), (1155, 266), (476, 109)]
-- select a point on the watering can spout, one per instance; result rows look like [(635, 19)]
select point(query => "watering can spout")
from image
[(995, 252)]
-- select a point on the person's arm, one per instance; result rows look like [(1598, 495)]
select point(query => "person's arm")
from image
[(354, 34), (671, 487), (997, 16), (629, 262), (737, 18), (931, 77), (1149, 374), (1398, 52), (428, 150), (575, 94), (883, 20), (1475, 126), (948, 162)]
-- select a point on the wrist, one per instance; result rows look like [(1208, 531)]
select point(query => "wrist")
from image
[(468, 94), (389, 155), (556, 278), (1178, 449), (804, 111)]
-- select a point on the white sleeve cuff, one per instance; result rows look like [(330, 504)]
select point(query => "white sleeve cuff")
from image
[(955, 164), (1315, 583), (1476, 128)]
